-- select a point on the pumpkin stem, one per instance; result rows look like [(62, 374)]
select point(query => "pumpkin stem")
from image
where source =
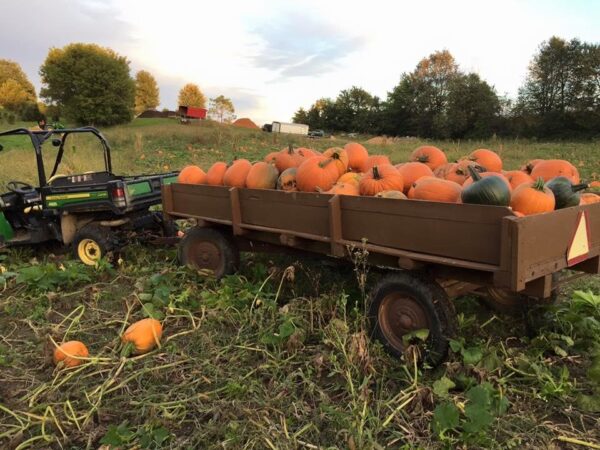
[(423, 158), (291, 149), (580, 187), (539, 184), (474, 174), (376, 174)]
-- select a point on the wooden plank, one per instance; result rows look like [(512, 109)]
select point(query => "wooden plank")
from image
[(236, 211), (335, 226), (167, 201)]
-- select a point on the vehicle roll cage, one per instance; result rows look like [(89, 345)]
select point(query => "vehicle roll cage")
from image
[(38, 138)]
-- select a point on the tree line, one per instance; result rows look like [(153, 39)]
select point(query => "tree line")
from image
[(559, 99), (91, 85)]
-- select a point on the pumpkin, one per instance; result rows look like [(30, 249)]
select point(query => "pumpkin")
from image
[(286, 158), (215, 174), (287, 180), (306, 153), (379, 178), (588, 198), (430, 155), (532, 198), (412, 171), (376, 160), (595, 184), (469, 181), (191, 175), (457, 172), (486, 158), (399, 195), (344, 189), (271, 157), (262, 175), (436, 190), (340, 158), (316, 174), (236, 173), (527, 168), (357, 157), (144, 334), (69, 352), (490, 190), (516, 178), (552, 168), (350, 177), (566, 194), (518, 214)]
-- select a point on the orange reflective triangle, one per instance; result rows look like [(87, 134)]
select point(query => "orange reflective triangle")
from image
[(580, 244)]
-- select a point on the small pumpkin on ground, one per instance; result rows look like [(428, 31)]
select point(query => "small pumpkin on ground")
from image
[(191, 175), (566, 193), (533, 198), (552, 168), (436, 190), (144, 335), (486, 158), (379, 178), (412, 171), (589, 198), (69, 353), (340, 158), (430, 155), (517, 178), (287, 180), (357, 157), (236, 173), (215, 174), (492, 189), (316, 174), (399, 195), (262, 175)]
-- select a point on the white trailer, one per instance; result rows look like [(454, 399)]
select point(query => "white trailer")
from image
[(291, 128)]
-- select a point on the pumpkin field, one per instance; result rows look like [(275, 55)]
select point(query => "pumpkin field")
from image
[(279, 355)]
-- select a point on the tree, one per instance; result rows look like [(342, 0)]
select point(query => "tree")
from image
[(190, 95), (301, 116), (221, 108), (89, 83), (146, 92), (16, 91)]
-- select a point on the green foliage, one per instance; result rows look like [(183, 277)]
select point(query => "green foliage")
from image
[(146, 92), (221, 109), (50, 277), (91, 84), (147, 437)]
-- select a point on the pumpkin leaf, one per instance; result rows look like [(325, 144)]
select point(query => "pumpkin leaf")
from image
[(151, 311), (442, 386), (445, 417), (117, 435), (472, 355)]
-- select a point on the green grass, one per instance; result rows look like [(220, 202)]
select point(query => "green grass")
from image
[(278, 355)]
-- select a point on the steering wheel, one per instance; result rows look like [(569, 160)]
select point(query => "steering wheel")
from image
[(19, 187)]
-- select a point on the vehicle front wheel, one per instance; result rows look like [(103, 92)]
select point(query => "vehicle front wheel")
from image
[(406, 310), (93, 242)]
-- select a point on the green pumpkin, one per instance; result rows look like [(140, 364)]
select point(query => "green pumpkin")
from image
[(486, 191), (565, 192)]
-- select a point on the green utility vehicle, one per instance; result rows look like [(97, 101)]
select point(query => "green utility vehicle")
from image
[(94, 212)]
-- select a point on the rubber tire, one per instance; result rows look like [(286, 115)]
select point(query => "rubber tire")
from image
[(103, 236), (168, 228), (434, 303), (516, 304), (228, 252)]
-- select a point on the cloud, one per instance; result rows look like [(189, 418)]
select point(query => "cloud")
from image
[(295, 45)]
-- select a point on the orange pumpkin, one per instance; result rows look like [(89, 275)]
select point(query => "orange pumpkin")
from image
[(287, 180), (595, 184), (552, 168), (235, 175), (430, 155), (340, 158), (191, 175), (532, 198), (306, 153), (271, 157), (144, 334), (527, 168), (357, 157), (486, 158), (412, 171), (588, 198), (469, 181), (436, 190), (343, 189), (380, 178), (376, 160), (399, 195), (262, 175), (457, 172), (286, 158), (70, 352), (350, 177), (518, 214), (517, 177), (316, 174), (215, 174)]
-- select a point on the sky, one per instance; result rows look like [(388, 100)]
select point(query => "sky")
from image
[(273, 57)]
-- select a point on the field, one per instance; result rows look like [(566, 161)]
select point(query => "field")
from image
[(277, 356)]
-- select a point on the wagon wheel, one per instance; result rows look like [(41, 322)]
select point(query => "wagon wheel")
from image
[(207, 248), (401, 306), (507, 302)]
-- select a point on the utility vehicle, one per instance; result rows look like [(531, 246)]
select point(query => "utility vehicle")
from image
[(94, 212)]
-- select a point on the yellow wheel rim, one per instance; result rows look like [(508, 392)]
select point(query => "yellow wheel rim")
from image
[(89, 252)]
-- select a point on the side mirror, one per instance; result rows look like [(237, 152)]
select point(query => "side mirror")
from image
[(56, 142)]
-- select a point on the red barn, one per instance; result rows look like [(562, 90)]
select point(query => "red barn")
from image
[(191, 112)]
